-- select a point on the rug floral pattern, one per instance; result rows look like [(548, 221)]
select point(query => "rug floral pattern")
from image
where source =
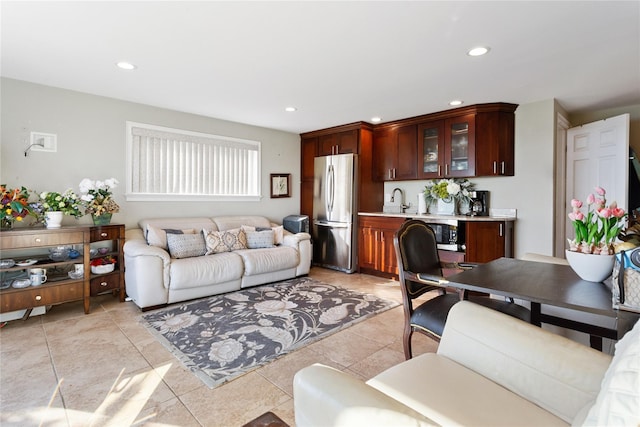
[(222, 337)]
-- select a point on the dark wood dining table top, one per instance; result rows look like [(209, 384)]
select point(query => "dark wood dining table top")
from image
[(537, 282)]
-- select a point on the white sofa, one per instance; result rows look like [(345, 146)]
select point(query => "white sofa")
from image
[(490, 370), (155, 277)]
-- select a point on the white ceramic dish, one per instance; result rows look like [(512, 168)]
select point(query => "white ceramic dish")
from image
[(26, 262), (75, 275), (102, 269), (21, 283)]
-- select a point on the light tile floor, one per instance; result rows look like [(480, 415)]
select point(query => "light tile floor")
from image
[(66, 368)]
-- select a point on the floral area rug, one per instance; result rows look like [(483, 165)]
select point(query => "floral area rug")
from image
[(225, 336)]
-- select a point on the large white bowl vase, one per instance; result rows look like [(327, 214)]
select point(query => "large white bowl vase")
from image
[(594, 268)]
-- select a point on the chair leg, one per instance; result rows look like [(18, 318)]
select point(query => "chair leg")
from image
[(406, 342)]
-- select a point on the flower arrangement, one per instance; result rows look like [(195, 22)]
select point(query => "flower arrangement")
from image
[(597, 230), (97, 196), (103, 261), (14, 204), (68, 202), (448, 190)]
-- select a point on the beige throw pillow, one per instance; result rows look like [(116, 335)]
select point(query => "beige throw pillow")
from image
[(158, 236), (225, 241)]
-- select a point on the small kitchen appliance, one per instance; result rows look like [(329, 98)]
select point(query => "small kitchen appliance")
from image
[(479, 204)]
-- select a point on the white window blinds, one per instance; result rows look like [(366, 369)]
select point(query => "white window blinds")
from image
[(173, 162)]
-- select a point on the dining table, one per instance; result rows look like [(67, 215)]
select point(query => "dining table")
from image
[(547, 284)]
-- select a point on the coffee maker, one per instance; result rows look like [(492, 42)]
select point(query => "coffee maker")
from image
[(479, 204)]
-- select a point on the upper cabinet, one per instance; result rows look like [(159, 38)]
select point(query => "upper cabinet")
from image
[(354, 138), (464, 142), (394, 153), (338, 143)]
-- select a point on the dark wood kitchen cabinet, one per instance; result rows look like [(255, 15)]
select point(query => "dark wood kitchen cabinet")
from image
[(488, 240), (354, 138), (394, 153), (376, 253)]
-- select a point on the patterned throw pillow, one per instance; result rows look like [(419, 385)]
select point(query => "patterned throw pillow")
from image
[(158, 236), (260, 239), (225, 241), (186, 245), (278, 232)]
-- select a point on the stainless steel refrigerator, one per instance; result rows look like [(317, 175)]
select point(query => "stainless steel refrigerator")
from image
[(334, 195)]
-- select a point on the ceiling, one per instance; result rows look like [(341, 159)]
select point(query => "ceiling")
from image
[(336, 62)]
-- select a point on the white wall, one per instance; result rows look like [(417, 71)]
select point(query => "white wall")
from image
[(91, 144)]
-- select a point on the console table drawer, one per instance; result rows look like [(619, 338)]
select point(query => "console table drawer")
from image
[(42, 239), (105, 283), (45, 295), (105, 233)]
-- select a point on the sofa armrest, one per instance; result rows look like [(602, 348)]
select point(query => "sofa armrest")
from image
[(302, 243), (147, 271), (294, 240), (325, 396)]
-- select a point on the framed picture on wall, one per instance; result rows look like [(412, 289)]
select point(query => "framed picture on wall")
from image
[(280, 185)]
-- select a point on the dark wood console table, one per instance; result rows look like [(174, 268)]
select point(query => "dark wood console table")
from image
[(548, 284)]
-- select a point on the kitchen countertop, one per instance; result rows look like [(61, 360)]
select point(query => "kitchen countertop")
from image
[(438, 217)]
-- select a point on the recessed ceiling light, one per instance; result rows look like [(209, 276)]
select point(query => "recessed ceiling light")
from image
[(126, 65), (290, 109), (455, 103), (478, 51), (376, 119)]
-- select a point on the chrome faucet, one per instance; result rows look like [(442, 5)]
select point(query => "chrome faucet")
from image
[(403, 206)]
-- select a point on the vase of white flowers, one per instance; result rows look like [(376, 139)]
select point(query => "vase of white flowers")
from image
[(98, 199), (447, 194)]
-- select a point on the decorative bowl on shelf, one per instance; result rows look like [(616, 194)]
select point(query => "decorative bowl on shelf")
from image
[(59, 253), (93, 252), (103, 251), (76, 274), (102, 269), (7, 263)]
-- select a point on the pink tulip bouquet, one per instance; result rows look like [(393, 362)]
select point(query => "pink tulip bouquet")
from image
[(597, 230)]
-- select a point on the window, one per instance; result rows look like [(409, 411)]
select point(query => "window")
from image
[(165, 163)]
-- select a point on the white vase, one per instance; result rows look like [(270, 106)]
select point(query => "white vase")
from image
[(53, 219), (590, 267), (446, 208)]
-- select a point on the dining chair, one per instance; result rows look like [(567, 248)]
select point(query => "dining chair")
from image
[(419, 272)]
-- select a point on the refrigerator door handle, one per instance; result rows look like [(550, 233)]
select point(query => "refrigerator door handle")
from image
[(331, 224), (330, 188)]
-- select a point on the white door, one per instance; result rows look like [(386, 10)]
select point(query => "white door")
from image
[(597, 155)]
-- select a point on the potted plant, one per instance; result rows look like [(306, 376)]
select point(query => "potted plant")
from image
[(15, 206), (591, 251), (55, 205), (98, 199), (447, 194)]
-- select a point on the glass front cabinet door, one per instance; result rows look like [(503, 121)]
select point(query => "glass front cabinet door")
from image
[(431, 149), (459, 156)]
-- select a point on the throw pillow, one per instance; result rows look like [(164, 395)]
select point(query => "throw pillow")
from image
[(619, 398), (278, 232), (186, 245), (260, 239), (225, 241), (158, 236)]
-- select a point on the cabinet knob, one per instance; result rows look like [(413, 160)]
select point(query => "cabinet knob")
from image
[(103, 234), (103, 283), (38, 240), (38, 297)]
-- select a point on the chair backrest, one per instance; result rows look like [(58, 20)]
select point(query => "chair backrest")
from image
[(417, 252)]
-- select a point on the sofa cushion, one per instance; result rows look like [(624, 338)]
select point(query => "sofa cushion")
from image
[(260, 239), (186, 245), (618, 403), (158, 236), (237, 221), (225, 241), (450, 394), (259, 261), (205, 270)]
